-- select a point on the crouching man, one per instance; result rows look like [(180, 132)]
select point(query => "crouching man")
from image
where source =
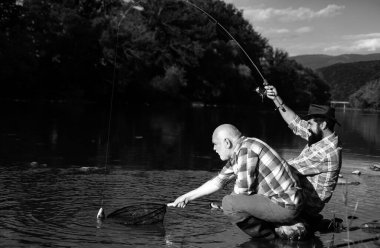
[(266, 193)]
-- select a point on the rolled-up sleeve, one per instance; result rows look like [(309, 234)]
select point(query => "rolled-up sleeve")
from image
[(300, 127), (225, 176)]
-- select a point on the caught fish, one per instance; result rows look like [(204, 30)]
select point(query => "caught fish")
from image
[(101, 214)]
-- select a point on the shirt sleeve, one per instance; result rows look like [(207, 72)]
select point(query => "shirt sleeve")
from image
[(225, 176), (321, 157), (309, 164), (299, 127)]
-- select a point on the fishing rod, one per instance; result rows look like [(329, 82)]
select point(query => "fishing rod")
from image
[(260, 90)]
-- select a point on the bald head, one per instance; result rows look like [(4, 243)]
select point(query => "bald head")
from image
[(227, 131), (225, 139)]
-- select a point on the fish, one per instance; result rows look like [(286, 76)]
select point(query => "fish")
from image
[(101, 214)]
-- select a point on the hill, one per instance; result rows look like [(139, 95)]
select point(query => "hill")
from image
[(316, 61), (345, 79)]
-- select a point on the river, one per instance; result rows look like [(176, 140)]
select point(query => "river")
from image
[(155, 154)]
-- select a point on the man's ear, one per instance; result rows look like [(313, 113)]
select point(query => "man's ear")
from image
[(228, 143), (323, 125)]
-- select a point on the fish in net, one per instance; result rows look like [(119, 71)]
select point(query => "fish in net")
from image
[(139, 214)]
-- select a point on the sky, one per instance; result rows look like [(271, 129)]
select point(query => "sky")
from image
[(331, 27)]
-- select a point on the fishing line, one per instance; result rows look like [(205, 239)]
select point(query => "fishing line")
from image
[(259, 90), (101, 213)]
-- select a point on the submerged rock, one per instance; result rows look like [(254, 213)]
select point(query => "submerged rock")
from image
[(375, 167), (214, 205), (342, 181), (356, 172), (371, 227), (35, 164), (85, 170)]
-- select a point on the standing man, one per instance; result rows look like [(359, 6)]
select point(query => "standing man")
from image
[(320, 161), (265, 194)]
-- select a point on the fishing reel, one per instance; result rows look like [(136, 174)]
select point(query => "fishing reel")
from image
[(261, 90)]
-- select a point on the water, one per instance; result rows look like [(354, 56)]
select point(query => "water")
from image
[(155, 155)]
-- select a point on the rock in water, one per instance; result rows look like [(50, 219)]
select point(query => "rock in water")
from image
[(214, 205), (371, 227), (375, 167), (342, 181)]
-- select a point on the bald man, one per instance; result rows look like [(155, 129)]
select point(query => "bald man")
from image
[(265, 195)]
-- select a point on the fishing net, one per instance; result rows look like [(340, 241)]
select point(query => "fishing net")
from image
[(139, 214)]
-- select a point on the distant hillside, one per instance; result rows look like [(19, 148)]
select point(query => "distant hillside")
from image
[(316, 61), (346, 79)]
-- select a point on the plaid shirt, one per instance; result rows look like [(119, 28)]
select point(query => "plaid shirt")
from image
[(320, 164), (258, 169)]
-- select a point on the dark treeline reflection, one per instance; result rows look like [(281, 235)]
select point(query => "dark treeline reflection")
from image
[(152, 137), (168, 51)]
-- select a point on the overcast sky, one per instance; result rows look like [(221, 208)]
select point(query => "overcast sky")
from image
[(316, 26)]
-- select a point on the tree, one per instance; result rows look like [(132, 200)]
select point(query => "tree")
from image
[(163, 50), (368, 96), (299, 86)]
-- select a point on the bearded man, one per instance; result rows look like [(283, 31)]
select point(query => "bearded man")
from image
[(319, 163)]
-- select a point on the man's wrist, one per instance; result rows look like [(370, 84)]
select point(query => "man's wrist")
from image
[(279, 103), (279, 100)]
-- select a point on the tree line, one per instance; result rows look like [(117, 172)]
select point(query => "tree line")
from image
[(151, 51), (367, 96)]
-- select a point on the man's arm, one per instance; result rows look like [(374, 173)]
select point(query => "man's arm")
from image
[(211, 186), (287, 114), (207, 188)]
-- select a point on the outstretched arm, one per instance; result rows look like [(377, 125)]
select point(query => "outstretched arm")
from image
[(287, 114), (207, 188)]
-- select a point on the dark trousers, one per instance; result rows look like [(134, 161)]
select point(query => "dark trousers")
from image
[(256, 215)]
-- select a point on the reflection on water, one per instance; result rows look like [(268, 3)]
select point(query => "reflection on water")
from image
[(361, 131), (156, 137), (155, 155)]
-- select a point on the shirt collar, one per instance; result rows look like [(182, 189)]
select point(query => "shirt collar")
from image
[(239, 142)]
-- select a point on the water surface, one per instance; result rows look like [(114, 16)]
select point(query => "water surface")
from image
[(155, 154)]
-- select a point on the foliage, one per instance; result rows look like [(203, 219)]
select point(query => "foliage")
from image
[(368, 96), (346, 79), (293, 79), (162, 50)]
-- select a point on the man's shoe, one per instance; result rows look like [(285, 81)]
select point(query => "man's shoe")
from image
[(294, 232)]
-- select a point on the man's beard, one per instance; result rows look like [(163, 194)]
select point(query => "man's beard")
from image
[(314, 137)]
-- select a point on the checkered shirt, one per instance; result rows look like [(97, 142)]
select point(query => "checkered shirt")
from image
[(258, 169), (319, 164)]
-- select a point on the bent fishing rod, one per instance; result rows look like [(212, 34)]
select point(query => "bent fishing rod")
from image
[(260, 90)]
